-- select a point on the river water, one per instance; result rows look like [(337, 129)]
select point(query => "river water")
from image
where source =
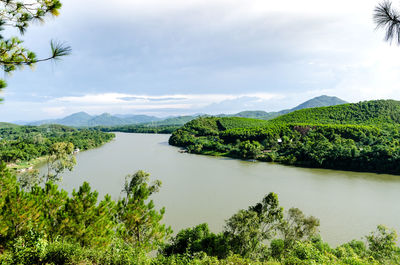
[(199, 189)]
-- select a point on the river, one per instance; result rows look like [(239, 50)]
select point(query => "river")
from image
[(199, 189)]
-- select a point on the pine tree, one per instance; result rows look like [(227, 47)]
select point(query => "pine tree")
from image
[(20, 14), (18, 213), (141, 221), (86, 222)]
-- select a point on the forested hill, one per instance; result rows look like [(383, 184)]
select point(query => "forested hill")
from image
[(374, 113), (7, 125), (21, 144), (321, 101), (361, 137)]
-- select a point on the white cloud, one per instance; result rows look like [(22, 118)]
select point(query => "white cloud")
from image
[(134, 101), (54, 111), (182, 56)]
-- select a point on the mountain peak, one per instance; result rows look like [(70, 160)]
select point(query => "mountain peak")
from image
[(320, 101), (80, 114)]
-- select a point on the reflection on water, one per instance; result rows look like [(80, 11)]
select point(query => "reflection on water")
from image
[(199, 189)]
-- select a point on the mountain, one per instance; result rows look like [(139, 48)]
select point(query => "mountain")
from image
[(321, 101), (132, 119), (76, 119), (257, 114), (180, 120), (105, 119), (374, 112), (82, 119)]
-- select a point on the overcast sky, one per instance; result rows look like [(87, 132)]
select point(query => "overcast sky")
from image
[(177, 57)]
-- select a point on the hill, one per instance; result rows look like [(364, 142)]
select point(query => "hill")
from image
[(259, 114), (376, 113), (180, 120), (76, 119), (363, 136), (82, 119), (8, 125), (321, 101)]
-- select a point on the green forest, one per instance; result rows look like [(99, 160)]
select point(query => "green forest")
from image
[(361, 136), (44, 224), (145, 128), (24, 143)]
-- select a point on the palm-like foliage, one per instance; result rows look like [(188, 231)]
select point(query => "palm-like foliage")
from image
[(388, 18)]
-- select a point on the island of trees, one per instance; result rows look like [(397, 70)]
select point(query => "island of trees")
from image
[(363, 136)]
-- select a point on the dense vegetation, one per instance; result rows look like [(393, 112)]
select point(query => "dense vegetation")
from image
[(23, 143), (46, 225), (363, 137), (377, 113), (162, 129)]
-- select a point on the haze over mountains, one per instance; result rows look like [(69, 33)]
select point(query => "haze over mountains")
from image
[(82, 119)]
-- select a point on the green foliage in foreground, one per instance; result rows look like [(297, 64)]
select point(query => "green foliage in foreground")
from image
[(360, 137), (33, 223), (46, 225), (24, 143)]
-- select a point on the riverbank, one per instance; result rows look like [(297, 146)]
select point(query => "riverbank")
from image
[(209, 189), (24, 166)]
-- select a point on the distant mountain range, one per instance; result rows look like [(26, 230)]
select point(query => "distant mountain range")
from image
[(82, 119)]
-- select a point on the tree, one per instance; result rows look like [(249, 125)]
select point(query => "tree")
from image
[(198, 239), (19, 15), (60, 158), (18, 213), (86, 221), (248, 229), (249, 149), (297, 227), (141, 222), (389, 19), (382, 243)]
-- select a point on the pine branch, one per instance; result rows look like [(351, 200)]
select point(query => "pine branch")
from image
[(58, 50), (388, 18)]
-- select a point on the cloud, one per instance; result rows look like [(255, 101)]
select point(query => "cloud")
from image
[(183, 56), (158, 99), (147, 101), (54, 111)]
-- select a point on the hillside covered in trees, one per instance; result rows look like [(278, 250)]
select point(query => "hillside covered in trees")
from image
[(362, 136)]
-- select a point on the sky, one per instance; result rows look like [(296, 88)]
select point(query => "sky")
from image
[(181, 57)]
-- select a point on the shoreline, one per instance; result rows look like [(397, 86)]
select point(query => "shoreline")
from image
[(26, 166)]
